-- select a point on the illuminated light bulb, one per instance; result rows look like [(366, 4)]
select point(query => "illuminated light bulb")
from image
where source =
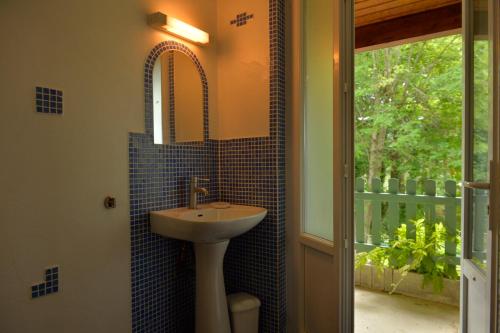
[(178, 28), (184, 30)]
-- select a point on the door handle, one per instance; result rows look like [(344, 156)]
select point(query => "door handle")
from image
[(477, 185)]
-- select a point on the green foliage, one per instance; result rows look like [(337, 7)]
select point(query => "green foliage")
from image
[(411, 97), (424, 255), (481, 108)]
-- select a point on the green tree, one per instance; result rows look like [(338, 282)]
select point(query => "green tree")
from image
[(408, 111)]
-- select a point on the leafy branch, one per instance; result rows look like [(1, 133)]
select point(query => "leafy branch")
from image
[(423, 255)]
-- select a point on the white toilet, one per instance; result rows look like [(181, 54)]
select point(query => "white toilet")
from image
[(244, 312)]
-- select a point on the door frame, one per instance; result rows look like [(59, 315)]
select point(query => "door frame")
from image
[(297, 241), (494, 10), (492, 269), (347, 49)]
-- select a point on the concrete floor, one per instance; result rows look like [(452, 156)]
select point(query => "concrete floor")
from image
[(378, 312)]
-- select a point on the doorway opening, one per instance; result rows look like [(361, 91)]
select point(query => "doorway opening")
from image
[(408, 167), (417, 161)]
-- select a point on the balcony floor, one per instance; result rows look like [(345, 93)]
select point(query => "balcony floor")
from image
[(380, 312)]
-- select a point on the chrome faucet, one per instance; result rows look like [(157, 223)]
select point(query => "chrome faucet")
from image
[(193, 198)]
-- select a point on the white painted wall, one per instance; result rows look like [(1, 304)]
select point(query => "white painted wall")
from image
[(243, 70), (55, 171)]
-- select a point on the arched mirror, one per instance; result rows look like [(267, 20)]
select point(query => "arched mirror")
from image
[(178, 106)]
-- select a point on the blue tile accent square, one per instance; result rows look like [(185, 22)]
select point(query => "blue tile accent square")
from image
[(48, 100), (49, 286), (241, 19)]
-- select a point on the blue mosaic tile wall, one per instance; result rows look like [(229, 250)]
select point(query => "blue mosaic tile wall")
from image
[(252, 171), (162, 288), (247, 171)]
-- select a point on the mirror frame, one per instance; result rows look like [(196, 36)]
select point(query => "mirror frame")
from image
[(158, 50)]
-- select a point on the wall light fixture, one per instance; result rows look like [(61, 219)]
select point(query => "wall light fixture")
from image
[(178, 28)]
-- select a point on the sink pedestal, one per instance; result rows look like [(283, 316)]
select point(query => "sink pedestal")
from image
[(210, 229), (211, 305)]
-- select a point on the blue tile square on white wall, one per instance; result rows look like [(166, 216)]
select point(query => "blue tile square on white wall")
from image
[(48, 100), (50, 284)]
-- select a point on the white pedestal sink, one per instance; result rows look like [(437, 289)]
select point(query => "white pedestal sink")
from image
[(210, 229)]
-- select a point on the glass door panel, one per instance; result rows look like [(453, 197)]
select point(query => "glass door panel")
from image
[(478, 149), (318, 118), (480, 135)]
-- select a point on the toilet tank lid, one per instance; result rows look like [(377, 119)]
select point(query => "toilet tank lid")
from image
[(242, 302)]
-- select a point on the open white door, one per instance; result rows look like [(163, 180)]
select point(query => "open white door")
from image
[(320, 141), (480, 187)]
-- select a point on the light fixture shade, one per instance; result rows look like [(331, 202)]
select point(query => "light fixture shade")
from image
[(178, 28)]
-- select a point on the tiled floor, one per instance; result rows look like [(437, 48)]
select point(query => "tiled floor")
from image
[(378, 312)]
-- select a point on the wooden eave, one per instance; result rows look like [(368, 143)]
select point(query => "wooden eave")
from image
[(381, 22)]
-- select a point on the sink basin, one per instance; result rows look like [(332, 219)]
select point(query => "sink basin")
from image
[(206, 224), (210, 227)]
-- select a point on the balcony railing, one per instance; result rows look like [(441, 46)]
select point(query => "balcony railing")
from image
[(379, 214)]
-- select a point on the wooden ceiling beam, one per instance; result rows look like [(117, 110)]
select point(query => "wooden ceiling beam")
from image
[(374, 11), (411, 26)]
